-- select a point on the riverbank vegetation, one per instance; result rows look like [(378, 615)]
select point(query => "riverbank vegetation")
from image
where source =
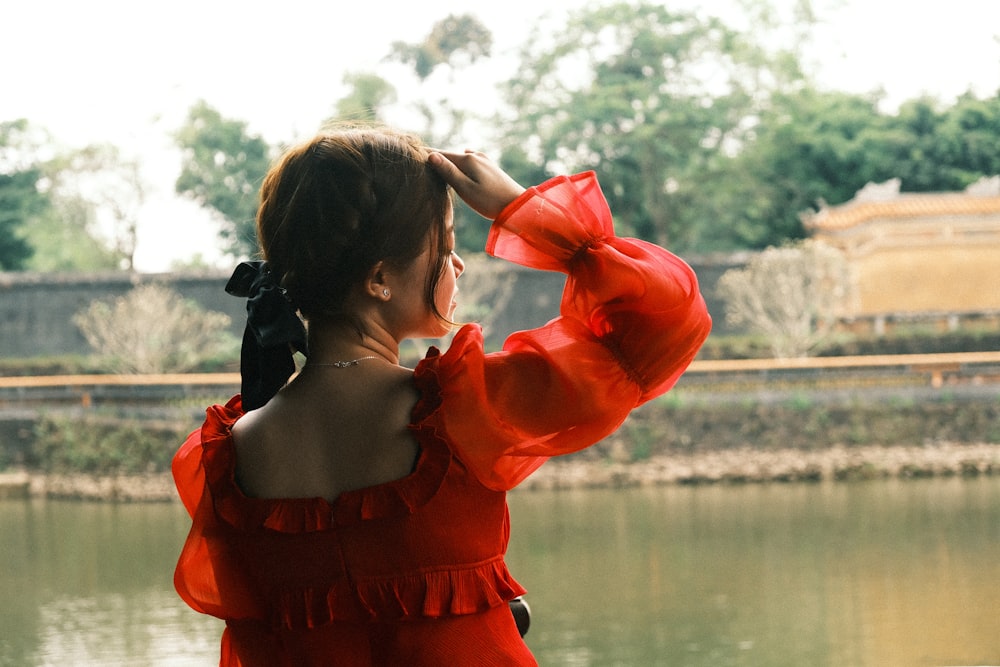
[(95, 445), (687, 437), (735, 427)]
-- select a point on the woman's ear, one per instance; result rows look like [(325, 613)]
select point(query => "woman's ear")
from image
[(376, 284)]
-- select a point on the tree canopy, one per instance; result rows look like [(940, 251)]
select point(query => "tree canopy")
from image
[(704, 137), (223, 167), (449, 50), (705, 140), (813, 147), (647, 97), (451, 39), (21, 196), (369, 94)]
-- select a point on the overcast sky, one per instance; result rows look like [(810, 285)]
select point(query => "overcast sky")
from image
[(126, 72)]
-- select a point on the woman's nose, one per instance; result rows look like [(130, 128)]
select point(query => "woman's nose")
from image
[(457, 262)]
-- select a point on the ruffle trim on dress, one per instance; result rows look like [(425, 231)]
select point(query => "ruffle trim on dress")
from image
[(425, 377), (300, 515), (461, 590)]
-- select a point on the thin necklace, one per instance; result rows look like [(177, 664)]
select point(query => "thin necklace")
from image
[(343, 364)]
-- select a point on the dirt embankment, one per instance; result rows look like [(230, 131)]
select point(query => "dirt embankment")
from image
[(745, 465), (732, 466)]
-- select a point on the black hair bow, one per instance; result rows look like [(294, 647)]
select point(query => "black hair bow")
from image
[(273, 333)]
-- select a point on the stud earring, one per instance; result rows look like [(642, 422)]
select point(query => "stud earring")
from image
[(385, 292)]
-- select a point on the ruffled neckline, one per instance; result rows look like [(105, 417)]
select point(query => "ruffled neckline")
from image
[(298, 515)]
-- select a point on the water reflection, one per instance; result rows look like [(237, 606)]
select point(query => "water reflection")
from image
[(886, 573), (90, 584)]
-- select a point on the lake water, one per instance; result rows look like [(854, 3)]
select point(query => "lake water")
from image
[(878, 573)]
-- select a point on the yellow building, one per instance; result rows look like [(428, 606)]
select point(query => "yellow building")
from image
[(917, 254)]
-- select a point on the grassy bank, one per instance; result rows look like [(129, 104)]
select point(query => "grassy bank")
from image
[(691, 423)]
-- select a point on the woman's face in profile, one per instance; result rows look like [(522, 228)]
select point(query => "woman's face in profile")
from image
[(410, 295)]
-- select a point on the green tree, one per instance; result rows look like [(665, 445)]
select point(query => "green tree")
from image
[(933, 148), (369, 95), (647, 97), (62, 239), (97, 195), (449, 41), (810, 146), (21, 193), (19, 198), (970, 133), (56, 198), (448, 52), (807, 146), (222, 169), (119, 192)]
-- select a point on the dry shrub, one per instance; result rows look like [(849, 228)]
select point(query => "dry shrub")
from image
[(792, 295), (152, 329)]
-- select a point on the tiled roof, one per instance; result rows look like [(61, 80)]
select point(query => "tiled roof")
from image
[(911, 205)]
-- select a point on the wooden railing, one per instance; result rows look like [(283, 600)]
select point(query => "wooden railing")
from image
[(829, 363), (175, 379), (936, 368), (933, 369), (89, 390)]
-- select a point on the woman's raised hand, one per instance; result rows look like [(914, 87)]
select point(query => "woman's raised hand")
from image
[(483, 185)]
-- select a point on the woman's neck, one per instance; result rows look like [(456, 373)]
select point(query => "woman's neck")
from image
[(333, 342)]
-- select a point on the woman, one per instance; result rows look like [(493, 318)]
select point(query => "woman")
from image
[(357, 516)]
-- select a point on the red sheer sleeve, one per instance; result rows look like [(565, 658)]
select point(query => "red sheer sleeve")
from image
[(631, 320), (205, 577), (186, 466)]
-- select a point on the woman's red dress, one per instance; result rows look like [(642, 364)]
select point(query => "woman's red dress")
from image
[(412, 572)]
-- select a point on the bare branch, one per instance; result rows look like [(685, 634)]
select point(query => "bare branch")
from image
[(153, 330), (791, 294)]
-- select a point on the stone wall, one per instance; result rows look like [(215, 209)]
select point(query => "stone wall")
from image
[(36, 310)]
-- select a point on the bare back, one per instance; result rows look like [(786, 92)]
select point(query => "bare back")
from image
[(329, 431)]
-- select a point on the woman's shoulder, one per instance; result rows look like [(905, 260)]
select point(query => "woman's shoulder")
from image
[(328, 432)]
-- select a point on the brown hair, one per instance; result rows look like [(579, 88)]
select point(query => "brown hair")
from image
[(333, 207)]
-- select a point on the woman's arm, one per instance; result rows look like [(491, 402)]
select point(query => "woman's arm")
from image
[(631, 320)]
